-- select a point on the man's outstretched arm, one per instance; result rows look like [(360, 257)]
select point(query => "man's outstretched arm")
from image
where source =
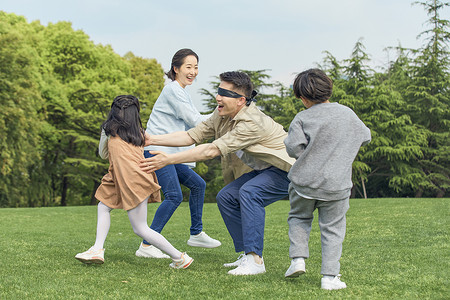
[(162, 159)]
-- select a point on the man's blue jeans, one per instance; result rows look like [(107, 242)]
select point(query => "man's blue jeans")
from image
[(242, 205), (169, 178)]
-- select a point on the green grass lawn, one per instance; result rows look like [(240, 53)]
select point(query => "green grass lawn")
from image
[(394, 249)]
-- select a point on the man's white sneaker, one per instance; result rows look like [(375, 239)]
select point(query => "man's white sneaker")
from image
[(248, 266), (182, 263), (150, 252), (296, 268), (236, 263), (92, 256), (203, 240), (332, 284)]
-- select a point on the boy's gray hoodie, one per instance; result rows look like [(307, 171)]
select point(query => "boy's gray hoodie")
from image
[(325, 139)]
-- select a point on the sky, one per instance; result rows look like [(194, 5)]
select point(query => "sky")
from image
[(283, 37)]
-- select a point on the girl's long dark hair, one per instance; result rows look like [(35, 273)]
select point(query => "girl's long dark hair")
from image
[(124, 120)]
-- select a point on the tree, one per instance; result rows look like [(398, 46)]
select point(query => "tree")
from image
[(352, 87), (88, 77), (20, 100), (80, 81), (385, 164), (57, 87), (149, 77), (429, 98)]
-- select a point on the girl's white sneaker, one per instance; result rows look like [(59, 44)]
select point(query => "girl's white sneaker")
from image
[(92, 256), (182, 263)]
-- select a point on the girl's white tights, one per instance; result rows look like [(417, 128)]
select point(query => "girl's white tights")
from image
[(103, 224), (138, 220)]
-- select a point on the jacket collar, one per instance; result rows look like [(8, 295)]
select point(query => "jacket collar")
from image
[(241, 115)]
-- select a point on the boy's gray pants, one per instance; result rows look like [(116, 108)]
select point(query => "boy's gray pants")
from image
[(332, 229)]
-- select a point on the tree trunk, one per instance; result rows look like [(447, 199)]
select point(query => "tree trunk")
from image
[(65, 184), (440, 194), (419, 193), (364, 187), (93, 199), (353, 192), (65, 181)]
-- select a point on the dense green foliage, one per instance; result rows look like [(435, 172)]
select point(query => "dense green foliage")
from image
[(394, 249), (56, 87)]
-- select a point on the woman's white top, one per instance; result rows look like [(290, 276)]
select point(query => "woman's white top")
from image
[(173, 111)]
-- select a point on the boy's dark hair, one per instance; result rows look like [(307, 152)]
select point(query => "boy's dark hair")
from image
[(314, 85), (178, 61), (240, 81), (124, 120)]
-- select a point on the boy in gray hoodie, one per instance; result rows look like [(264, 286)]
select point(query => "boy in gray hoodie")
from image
[(324, 139)]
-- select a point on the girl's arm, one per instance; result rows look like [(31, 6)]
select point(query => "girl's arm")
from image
[(103, 145)]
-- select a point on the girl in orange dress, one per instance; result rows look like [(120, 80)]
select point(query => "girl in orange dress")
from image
[(125, 185)]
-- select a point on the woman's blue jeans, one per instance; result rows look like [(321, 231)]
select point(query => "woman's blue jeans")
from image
[(169, 178)]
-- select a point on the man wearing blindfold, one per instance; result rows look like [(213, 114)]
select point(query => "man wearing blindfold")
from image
[(254, 164)]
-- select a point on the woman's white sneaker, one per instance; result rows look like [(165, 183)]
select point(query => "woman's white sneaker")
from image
[(203, 240), (150, 252), (248, 266)]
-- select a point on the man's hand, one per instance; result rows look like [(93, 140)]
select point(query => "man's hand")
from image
[(151, 164)]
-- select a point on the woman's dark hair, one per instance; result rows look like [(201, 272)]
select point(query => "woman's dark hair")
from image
[(239, 80), (124, 120), (178, 61), (314, 85)]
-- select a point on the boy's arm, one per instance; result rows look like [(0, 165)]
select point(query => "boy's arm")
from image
[(367, 136), (162, 159), (174, 139), (296, 140)]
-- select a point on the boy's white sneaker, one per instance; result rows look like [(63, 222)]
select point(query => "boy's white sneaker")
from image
[(248, 266), (203, 240), (236, 263), (150, 252), (332, 284), (182, 263), (92, 256), (296, 268)]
